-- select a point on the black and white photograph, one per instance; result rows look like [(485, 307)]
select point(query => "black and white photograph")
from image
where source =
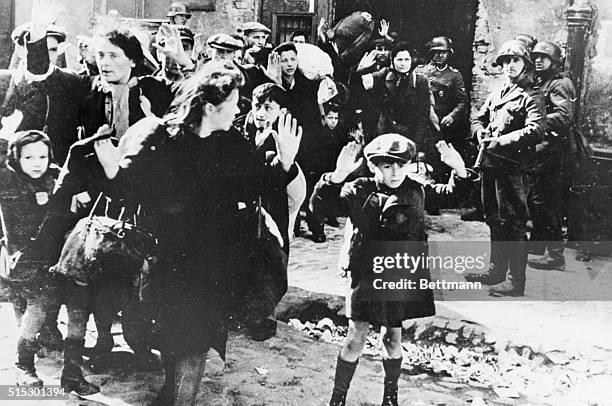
[(306, 202)]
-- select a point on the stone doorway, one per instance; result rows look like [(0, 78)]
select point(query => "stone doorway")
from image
[(420, 20)]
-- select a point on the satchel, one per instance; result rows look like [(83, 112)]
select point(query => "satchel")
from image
[(266, 271)]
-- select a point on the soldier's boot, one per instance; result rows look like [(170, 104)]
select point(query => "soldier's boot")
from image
[(517, 264), (342, 380), (72, 379), (553, 261), (499, 264), (393, 368), (26, 372)]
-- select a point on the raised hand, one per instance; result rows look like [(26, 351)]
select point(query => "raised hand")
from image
[(273, 71), (452, 158), (287, 139), (44, 13), (321, 30), (384, 28), (169, 43), (347, 162), (368, 60)]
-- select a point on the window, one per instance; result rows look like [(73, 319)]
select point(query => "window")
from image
[(283, 25)]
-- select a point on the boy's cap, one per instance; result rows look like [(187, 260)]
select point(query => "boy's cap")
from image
[(224, 41), (393, 146), (254, 26)]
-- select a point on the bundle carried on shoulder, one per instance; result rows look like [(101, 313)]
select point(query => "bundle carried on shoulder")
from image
[(313, 62), (352, 35)]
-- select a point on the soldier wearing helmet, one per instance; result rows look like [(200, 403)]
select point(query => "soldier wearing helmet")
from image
[(448, 90), (551, 183), (178, 13), (508, 127), (447, 86)]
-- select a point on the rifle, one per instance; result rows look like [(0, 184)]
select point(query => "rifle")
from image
[(483, 146)]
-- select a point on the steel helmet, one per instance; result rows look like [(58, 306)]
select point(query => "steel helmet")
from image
[(178, 8), (441, 44), (549, 49), (514, 48)]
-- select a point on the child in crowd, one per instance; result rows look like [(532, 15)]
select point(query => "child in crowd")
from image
[(388, 206), (268, 104), (25, 186)]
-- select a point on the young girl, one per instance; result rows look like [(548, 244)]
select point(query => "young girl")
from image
[(25, 186), (388, 207)]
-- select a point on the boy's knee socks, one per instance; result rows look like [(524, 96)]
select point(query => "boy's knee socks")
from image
[(344, 374)]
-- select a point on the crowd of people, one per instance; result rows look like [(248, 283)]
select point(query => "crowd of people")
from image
[(216, 147)]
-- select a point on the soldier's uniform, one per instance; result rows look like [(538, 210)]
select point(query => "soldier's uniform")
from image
[(449, 93), (448, 90), (516, 111), (551, 181)]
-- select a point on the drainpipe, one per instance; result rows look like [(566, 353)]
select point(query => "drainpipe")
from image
[(580, 17)]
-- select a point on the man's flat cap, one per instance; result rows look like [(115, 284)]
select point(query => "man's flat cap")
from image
[(224, 41), (393, 146), (254, 26)]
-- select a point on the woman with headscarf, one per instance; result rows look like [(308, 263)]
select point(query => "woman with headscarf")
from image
[(117, 98), (407, 101)]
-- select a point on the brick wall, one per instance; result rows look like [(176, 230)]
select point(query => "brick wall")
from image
[(500, 20), (227, 17)]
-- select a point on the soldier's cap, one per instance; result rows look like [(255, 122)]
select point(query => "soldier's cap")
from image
[(254, 26), (392, 146), (56, 31), (224, 41), (178, 8)]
